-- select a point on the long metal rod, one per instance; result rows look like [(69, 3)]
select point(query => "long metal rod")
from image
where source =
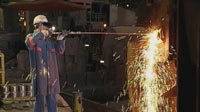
[(99, 33)]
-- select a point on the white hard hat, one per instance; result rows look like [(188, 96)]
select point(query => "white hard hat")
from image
[(40, 19)]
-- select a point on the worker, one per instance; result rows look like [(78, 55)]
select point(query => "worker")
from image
[(43, 50)]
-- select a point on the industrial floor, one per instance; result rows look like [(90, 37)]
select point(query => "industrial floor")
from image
[(60, 109), (22, 104)]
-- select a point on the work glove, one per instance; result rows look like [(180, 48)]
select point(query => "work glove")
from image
[(62, 35)]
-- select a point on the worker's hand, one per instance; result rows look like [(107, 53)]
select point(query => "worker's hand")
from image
[(62, 35), (45, 32)]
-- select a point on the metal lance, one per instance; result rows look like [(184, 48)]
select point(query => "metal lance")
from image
[(100, 33)]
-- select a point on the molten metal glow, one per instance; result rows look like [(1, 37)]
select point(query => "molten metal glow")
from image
[(148, 76), (150, 86)]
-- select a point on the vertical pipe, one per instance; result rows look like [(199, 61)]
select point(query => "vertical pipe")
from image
[(2, 69)]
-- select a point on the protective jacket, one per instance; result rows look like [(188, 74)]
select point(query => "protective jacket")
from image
[(42, 52)]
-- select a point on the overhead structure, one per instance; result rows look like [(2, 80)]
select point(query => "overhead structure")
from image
[(45, 6)]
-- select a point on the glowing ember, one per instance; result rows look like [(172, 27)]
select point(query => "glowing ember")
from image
[(148, 75)]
